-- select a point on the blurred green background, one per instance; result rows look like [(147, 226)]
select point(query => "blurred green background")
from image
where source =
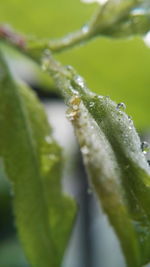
[(118, 68)]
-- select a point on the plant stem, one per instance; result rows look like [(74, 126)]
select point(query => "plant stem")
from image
[(111, 20), (63, 43)]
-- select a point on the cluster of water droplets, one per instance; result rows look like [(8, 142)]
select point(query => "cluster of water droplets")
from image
[(122, 107), (70, 115), (73, 110), (145, 146)]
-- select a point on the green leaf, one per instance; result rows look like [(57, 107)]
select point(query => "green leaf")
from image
[(116, 165), (118, 171), (33, 163)]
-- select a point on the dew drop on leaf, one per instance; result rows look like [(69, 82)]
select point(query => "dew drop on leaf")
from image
[(91, 104), (85, 29), (71, 115), (121, 106), (145, 147), (100, 97), (130, 119), (79, 80), (69, 67)]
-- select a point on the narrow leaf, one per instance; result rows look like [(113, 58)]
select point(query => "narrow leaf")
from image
[(118, 170), (33, 163), (116, 165)]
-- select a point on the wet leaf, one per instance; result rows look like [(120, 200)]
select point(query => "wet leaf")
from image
[(33, 163), (119, 172), (116, 165)]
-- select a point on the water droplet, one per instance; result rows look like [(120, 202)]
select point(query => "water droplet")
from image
[(130, 119), (80, 81), (71, 115), (85, 29), (69, 67), (76, 93), (85, 150), (91, 104), (100, 97), (145, 147), (121, 106)]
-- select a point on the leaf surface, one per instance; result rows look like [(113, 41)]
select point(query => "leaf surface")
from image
[(119, 172), (33, 163), (115, 163)]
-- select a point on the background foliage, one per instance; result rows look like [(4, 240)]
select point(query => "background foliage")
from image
[(116, 68)]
